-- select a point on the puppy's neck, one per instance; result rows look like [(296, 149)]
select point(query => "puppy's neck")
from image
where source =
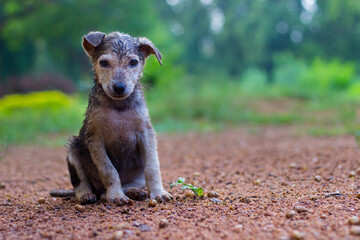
[(100, 98)]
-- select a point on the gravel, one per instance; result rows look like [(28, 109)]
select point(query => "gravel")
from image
[(228, 161), (296, 235), (354, 220), (117, 235), (152, 203), (301, 209), (212, 194), (79, 207), (163, 223), (355, 230), (318, 178), (290, 214)]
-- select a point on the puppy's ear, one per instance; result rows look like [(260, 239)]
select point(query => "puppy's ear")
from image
[(91, 41), (147, 48)]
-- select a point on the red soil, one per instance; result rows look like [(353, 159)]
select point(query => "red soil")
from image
[(259, 178)]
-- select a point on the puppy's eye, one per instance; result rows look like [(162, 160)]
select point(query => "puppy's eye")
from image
[(133, 63), (104, 63)]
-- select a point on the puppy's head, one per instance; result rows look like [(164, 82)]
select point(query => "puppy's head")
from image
[(118, 60)]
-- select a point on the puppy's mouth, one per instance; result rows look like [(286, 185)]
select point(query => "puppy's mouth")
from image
[(119, 96), (116, 96)]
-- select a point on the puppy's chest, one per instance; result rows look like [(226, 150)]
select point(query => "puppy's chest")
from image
[(119, 127)]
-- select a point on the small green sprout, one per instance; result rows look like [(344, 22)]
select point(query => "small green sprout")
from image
[(197, 190)]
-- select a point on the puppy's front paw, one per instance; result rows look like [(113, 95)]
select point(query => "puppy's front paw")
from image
[(161, 196), (88, 198), (135, 193), (117, 197)]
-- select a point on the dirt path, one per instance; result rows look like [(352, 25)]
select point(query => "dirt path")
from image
[(260, 177)]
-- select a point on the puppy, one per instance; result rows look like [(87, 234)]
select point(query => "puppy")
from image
[(115, 154)]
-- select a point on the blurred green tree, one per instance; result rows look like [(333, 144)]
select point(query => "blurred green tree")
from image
[(38, 36), (235, 35), (231, 36)]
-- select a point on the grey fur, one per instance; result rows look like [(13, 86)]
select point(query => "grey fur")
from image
[(115, 154)]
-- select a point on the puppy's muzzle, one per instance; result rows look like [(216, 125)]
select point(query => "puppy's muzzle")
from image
[(119, 88)]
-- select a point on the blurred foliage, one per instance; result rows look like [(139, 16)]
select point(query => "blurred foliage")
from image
[(323, 77), (318, 79), (254, 81), (232, 36), (40, 36), (252, 31), (51, 100), (221, 104), (225, 62), (23, 117)]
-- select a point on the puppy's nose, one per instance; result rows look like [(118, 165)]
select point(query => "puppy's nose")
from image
[(119, 88)]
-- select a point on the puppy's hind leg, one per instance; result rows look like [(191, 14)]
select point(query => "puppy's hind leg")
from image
[(79, 180)]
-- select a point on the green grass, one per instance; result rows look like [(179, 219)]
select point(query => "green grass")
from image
[(189, 104), (31, 118), (327, 131)]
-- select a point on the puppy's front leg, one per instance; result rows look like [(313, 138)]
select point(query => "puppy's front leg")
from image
[(152, 173), (107, 172)]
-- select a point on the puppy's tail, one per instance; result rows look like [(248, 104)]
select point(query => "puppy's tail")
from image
[(62, 193)]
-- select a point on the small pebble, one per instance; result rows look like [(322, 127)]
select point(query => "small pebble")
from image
[(334, 194), (296, 235), (152, 203), (121, 226), (355, 230), (300, 209), (313, 197), (212, 194), (215, 200), (117, 235), (352, 174), (5, 203), (354, 220), (293, 165), (41, 200), (238, 227), (318, 178), (47, 235), (163, 223), (2, 186), (257, 181), (244, 200), (197, 174), (189, 194), (144, 228), (79, 207), (290, 214), (129, 232)]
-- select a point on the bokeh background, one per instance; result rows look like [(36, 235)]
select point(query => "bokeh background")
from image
[(227, 63)]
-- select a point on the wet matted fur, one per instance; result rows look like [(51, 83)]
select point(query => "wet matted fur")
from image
[(115, 154)]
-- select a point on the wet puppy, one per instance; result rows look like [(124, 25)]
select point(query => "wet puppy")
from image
[(115, 155)]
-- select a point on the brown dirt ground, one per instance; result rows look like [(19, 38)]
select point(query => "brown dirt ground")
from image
[(227, 162)]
